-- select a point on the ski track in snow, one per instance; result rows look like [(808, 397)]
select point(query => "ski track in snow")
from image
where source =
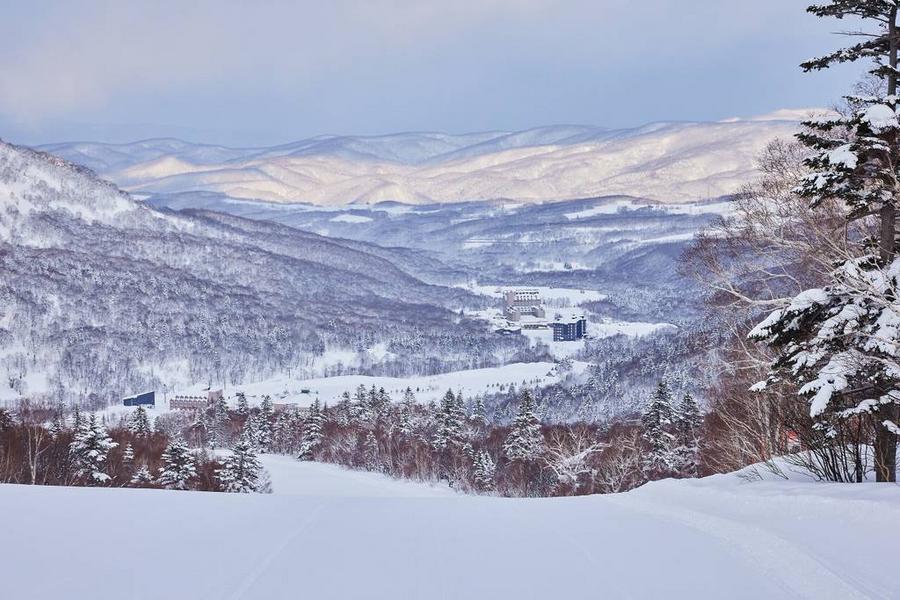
[(802, 577), (328, 532)]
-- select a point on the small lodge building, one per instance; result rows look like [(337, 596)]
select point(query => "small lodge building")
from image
[(195, 402), (145, 399)]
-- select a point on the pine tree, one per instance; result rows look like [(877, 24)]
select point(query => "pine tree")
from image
[(313, 432), (407, 410), (57, 424), (451, 419), (344, 410), (688, 420), (525, 442), (128, 457), (179, 466), (218, 423), (142, 477), (241, 470), (139, 423), (265, 421), (371, 453), (77, 418), (484, 471), (89, 450), (657, 419), (840, 343), (479, 414), (242, 408)]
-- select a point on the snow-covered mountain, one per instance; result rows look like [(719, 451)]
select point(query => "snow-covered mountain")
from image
[(671, 162), (102, 294)]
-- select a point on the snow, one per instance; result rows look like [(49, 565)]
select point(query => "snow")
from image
[(349, 218), (668, 162), (719, 537), (298, 478), (611, 327), (844, 156), (288, 390), (573, 296), (880, 117)]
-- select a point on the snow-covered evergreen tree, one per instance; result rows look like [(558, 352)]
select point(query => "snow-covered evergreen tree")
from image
[(479, 414), (89, 450), (128, 457), (313, 431), (344, 410), (142, 477), (688, 420), (406, 412), (657, 421), (371, 452), (77, 418), (484, 471), (265, 424), (241, 470), (841, 343), (525, 442), (57, 424), (218, 421), (451, 420), (242, 408), (179, 466), (139, 423)]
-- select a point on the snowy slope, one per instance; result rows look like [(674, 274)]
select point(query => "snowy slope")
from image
[(471, 382), (679, 161), (713, 538), (92, 280)]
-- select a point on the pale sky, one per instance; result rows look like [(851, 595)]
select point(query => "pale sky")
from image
[(254, 73)]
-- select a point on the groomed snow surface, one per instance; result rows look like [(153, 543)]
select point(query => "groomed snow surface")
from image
[(331, 533)]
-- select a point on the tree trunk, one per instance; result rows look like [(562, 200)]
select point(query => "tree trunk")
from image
[(885, 441), (885, 444)]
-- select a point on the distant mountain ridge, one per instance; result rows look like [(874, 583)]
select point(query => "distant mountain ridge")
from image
[(667, 161)]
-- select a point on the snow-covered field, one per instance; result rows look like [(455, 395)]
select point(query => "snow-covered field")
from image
[(611, 327), (332, 533), (550, 295), (329, 389)]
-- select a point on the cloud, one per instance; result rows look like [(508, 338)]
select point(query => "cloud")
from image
[(82, 55), (285, 68)]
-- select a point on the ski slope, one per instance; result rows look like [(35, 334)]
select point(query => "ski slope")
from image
[(471, 382), (334, 535)]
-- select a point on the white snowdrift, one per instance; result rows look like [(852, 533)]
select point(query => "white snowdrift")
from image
[(714, 538)]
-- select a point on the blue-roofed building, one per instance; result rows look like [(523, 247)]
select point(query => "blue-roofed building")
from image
[(145, 399)]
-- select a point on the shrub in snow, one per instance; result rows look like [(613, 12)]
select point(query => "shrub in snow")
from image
[(142, 477)]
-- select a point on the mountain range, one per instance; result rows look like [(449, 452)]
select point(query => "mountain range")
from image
[(102, 293), (667, 161)]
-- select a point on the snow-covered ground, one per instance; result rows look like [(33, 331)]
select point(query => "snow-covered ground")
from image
[(297, 478), (339, 534), (611, 327), (551, 295), (284, 389)]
